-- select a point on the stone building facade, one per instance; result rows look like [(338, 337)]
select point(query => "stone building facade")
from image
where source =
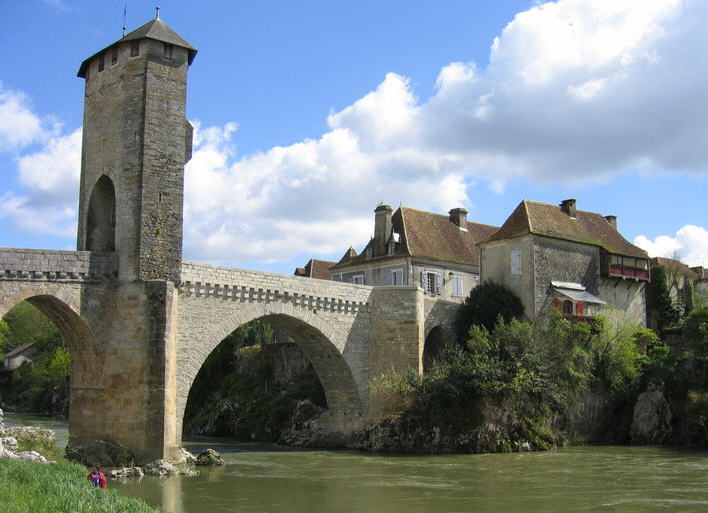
[(560, 257), (415, 248)]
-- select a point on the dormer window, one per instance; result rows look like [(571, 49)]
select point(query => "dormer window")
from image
[(391, 248)]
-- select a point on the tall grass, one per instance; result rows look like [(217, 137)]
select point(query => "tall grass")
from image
[(28, 487)]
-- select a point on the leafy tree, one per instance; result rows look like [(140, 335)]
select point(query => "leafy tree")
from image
[(485, 304), (616, 357), (688, 297), (659, 302), (4, 334), (695, 331), (27, 325), (42, 386)]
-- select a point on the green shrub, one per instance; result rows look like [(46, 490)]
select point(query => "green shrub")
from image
[(659, 302), (695, 331), (485, 304), (617, 362)]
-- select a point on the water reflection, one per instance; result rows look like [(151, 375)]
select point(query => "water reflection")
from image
[(262, 478), (617, 479)]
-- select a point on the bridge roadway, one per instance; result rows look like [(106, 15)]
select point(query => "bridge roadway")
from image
[(137, 347)]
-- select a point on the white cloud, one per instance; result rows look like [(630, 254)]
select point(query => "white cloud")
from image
[(690, 243), (575, 92), (20, 126), (53, 172)]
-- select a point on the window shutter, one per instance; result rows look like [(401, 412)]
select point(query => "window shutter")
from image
[(580, 308), (439, 283), (558, 303)]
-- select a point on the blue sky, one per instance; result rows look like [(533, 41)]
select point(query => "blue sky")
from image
[(308, 114)]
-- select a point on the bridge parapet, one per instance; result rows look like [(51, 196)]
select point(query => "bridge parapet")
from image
[(18, 264), (254, 286)]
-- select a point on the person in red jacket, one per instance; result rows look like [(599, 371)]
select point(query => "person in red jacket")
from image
[(97, 477)]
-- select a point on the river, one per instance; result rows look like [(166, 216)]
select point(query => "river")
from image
[(264, 478)]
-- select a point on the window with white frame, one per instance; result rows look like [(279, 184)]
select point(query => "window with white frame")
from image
[(394, 277), (431, 282), (516, 262), (358, 279), (458, 286)]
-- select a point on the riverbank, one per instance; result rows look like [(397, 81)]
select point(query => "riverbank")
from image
[(29, 483), (29, 487)]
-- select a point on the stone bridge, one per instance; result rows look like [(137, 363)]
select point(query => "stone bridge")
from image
[(137, 347), (139, 322)]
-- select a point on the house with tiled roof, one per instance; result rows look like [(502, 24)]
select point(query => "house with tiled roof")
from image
[(315, 269), (416, 248), (556, 256)]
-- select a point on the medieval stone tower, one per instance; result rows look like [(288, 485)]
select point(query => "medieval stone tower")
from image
[(136, 141)]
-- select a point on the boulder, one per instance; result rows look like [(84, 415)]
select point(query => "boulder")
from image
[(209, 457), (9, 442), (105, 452), (124, 472), (160, 468), (184, 457), (651, 423), (30, 438)]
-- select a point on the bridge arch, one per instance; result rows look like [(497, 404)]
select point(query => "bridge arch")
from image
[(436, 340), (86, 381), (313, 335)]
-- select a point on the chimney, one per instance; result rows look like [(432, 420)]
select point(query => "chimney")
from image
[(612, 220), (568, 207), (459, 217), (382, 228)]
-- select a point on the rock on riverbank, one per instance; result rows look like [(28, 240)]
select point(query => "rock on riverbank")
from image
[(11, 439)]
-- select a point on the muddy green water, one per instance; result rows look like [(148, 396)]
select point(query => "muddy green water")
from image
[(260, 478)]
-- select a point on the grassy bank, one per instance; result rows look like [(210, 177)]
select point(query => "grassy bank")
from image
[(27, 487)]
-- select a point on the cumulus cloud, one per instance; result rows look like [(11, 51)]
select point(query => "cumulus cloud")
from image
[(20, 126), (690, 244), (575, 92)]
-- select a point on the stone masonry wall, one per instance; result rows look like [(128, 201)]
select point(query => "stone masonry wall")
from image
[(328, 320), (561, 260)]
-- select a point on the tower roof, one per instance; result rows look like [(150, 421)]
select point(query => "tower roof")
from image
[(154, 29)]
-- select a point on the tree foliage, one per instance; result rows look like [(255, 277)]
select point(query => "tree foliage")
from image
[(529, 373), (695, 331), (485, 304), (224, 402), (43, 385), (659, 302)]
